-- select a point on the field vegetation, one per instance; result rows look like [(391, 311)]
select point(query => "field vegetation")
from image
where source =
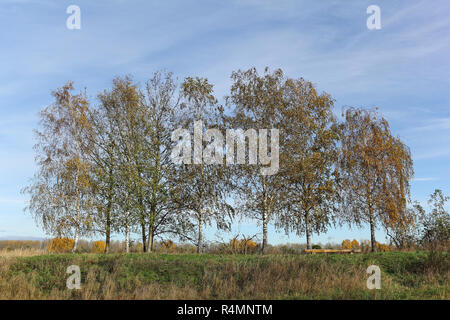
[(405, 275)]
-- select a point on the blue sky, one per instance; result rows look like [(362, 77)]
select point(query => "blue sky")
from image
[(404, 69)]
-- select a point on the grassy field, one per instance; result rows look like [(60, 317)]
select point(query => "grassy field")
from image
[(405, 275)]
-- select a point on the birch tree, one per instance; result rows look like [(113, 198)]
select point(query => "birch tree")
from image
[(309, 157), (61, 189), (161, 97), (128, 118), (104, 156), (255, 103), (198, 188), (375, 169)]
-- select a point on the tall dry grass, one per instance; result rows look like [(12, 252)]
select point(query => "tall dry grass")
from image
[(22, 252), (154, 276)]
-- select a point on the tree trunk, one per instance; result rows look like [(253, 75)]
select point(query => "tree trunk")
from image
[(108, 212), (144, 234), (264, 218), (155, 190), (150, 240), (108, 231), (264, 242), (108, 239), (127, 237), (78, 195), (151, 228), (75, 243), (373, 243), (200, 236), (127, 241), (78, 220), (144, 237), (308, 232)]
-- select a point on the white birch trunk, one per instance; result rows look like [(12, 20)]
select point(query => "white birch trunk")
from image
[(127, 235), (77, 236), (264, 244), (200, 236)]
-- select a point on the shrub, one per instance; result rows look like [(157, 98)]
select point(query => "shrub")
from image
[(60, 245), (436, 224), (99, 247), (381, 247), (316, 246), (286, 250), (243, 246), (365, 246), (168, 246), (346, 244), (248, 246), (186, 248)]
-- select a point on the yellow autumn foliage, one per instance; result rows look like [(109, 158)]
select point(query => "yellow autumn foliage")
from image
[(243, 245), (60, 245), (346, 244), (99, 247), (381, 247), (168, 246)]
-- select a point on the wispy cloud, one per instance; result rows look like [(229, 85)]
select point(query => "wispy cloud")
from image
[(432, 154), (12, 201), (434, 124), (424, 179)]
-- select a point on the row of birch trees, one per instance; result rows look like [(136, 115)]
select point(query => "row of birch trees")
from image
[(104, 165)]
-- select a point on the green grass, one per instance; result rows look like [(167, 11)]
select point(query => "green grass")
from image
[(405, 275)]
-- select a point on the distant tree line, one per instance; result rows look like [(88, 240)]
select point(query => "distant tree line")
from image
[(105, 166)]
